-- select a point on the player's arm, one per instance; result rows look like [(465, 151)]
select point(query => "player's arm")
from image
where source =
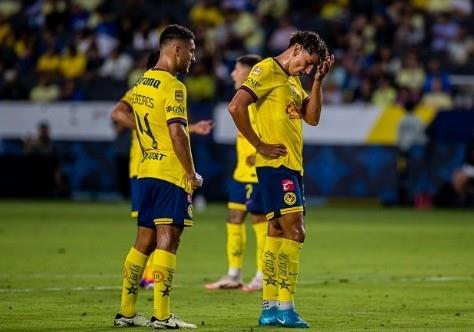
[(122, 113), (239, 111), (182, 149), (203, 127), (311, 109)]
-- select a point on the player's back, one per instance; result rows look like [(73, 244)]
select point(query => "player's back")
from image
[(159, 99)]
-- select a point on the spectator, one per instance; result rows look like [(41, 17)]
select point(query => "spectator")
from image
[(45, 91), (145, 38), (279, 38), (436, 97), (434, 72), (385, 94), (117, 65), (48, 63), (72, 63), (412, 74)]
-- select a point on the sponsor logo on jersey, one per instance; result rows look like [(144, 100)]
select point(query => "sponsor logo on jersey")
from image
[(293, 111), (257, 70), (178, 96)]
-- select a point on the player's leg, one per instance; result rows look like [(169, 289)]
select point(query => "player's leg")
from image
[(135, 263), (173, 211), (292, 226), (147, 278), (236, 238), (259, 225)]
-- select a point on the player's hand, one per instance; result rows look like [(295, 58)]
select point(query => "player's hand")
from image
[(272, 151), (203, 127), (195, 180), (323, 68), (250, 160)]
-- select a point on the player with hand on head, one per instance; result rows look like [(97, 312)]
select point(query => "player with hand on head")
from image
[(244, 196), (273, 85)]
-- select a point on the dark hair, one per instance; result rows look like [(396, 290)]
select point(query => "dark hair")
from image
[(174, 31), (152, 59), (311, 42), (249, 59)]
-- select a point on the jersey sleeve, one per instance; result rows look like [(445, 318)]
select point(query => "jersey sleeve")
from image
[(259, 81), (127, 97), (175, 105)]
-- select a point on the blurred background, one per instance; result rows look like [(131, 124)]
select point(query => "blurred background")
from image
[(397, 125)]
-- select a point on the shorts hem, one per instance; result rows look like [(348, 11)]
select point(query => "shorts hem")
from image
[(284, 211), (237, 206)]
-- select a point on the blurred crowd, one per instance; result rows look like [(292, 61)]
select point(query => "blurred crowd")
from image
[(387, 52)]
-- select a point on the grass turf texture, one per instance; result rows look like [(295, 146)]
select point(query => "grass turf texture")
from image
[(362, 269)]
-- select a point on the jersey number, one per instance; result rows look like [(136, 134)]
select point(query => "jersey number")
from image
[(147, 129), (248, 191)]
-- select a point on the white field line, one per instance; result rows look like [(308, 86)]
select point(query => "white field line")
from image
[(316, 281)]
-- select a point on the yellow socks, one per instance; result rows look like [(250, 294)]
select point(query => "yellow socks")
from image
[(148, 273), (288, 262), (164, 265), (236, 239), (260, 230), (269, 269), (132, 274)]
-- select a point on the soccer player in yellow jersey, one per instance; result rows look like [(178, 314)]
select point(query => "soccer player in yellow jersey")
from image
[(123, 115), (244, 196), (273, 85), (166, 179)]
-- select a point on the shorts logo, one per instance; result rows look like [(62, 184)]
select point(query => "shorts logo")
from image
[(190, 210), (178, 96), (288, 185), (158, 276), (289, 198)]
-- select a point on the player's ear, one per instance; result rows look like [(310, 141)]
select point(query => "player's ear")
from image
[(297, 50)]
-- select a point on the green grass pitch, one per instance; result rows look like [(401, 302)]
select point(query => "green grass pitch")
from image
[(362, 269)]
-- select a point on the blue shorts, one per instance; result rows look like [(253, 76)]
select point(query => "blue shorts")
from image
[(134, 198), (282, 191), (163, 203), (245, 197)]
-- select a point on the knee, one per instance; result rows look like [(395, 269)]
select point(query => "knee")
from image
[(145, 247), (168, 243), (236, 217), (297, 234)]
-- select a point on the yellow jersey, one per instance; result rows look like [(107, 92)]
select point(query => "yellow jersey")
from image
[(159, 99), (278, 99), (135, 149), (243, 172)]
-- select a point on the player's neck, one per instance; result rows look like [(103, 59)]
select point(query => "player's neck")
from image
[(166, 65), (284, 59)]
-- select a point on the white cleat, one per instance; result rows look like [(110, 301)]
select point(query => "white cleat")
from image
[(173, 322), (254, 285), (226, 282), (137, 320)]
